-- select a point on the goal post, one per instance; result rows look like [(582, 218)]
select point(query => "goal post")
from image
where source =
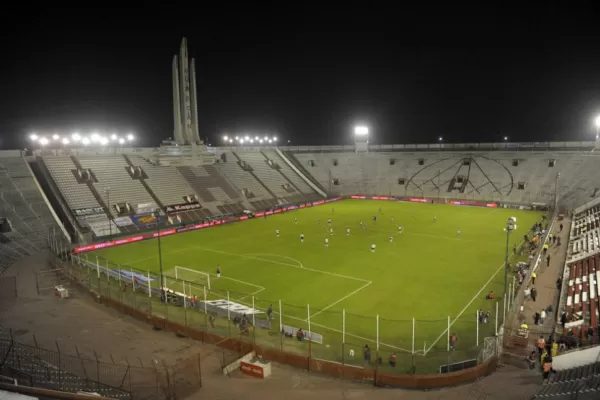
[(191, 275)]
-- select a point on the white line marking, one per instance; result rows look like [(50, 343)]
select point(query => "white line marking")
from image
[(468, 304), (340, 300)]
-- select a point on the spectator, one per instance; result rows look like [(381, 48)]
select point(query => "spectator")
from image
[(561, 227), (563, 319), (393, 360), (270, 312), (527, 293), (542, 316), (547, 368), (524, 325), (453, 340), (541, 345), (533, 276), (531, 360), (367, 353), (548, 260), (559, 283), (300, 335), (590, 334), (533, 293), (490, 295), (211, 319), (536, 318)]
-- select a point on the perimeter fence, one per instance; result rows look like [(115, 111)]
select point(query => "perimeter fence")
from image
[(243, 321)]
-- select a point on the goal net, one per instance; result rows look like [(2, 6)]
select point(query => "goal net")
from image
[(191, 275)]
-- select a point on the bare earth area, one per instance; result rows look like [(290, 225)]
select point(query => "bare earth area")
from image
[(80, 324)]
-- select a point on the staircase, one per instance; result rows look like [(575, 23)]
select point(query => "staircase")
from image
[(95, 193), (284, 177), (254, 175), (145, 184)]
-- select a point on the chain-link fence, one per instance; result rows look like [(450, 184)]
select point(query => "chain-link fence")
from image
[(242, 322), (57, 370)]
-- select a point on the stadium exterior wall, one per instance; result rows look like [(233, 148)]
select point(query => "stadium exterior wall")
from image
[(172, 231), (374, 377)]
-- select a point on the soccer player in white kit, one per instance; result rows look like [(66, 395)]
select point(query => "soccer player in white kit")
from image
[(347, 231), (295, 220), (434, 219), (326, 242), (458, 231), (302, 238), (372, 248), (391, 239), (277, 232), (331, 231), (399, 228)]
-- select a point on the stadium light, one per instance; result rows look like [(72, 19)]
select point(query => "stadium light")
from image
[(130, 137), (237, 138), (251, 140), (230, 140), (266, 138), (511, 225), (226, 138), (246, 138), (76, 137), (260, 141), (241, 141), (43, 141), (95, 137), (256, 137), (597, 121), (103, 141), (33, 137), (505, 138), (121, 141), (274, 138), (65, 141), (85, 141), (440, 139), (114, 137), (361, 130), (270, 141), (55, 137)]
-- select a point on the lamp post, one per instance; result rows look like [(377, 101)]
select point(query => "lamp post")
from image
[(157, 215), (597, 121), (511, 225), (107, 192)]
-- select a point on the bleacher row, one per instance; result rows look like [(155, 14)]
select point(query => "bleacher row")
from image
[(579, 383), (22, 207), (582, 297), (585, 233), (225, 187)]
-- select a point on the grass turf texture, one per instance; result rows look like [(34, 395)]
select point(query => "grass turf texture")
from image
[(428, 272)]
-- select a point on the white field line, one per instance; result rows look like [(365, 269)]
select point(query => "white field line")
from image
[(340, 300), (283, 263), (468, 304)]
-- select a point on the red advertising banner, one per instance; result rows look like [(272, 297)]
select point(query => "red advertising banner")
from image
[(252, 370)]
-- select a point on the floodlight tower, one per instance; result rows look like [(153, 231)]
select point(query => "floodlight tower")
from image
[(361, 139), (511, 225)]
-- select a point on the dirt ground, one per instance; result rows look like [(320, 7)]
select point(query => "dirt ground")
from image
[(95, 330)]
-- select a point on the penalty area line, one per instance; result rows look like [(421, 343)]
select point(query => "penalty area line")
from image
[(340, 300), (468, 305)]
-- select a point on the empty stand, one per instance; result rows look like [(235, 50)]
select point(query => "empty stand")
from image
[(243, 180), (581, 383)]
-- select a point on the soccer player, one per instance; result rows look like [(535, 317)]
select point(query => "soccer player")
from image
[(326, 242), (347, 231), (332, 210), (302, 237), (218, 270), (329, 221), (391, 239), (372, 248), (374, 218), (399, 228), (392, 220), (434, 219), (331, 231), (380, 210), (277, 232), (458, 231), (295, 220)]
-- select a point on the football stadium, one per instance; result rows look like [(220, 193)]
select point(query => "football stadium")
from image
[(409, 266)]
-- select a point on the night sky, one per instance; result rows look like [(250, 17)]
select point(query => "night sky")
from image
[(306, 73)]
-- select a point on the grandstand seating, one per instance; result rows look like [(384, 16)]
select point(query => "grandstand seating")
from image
[(508, 176), (581, 383), (111, 173), (291, 175), (277, 183), (24, 207), (582, 305), (585, 233)]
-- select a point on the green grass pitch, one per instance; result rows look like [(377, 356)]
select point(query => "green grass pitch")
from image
[(427, 272)]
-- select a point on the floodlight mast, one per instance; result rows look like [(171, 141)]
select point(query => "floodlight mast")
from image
[(361, 130), (597, 122)]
